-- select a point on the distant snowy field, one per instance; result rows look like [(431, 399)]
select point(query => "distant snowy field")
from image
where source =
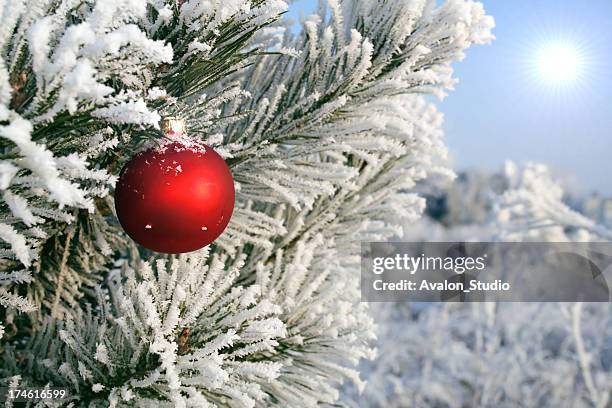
[(495, 355)]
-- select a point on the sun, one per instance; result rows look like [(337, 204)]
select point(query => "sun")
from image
[(559, 63)]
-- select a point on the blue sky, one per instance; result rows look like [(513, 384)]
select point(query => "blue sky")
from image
[(503, 108)]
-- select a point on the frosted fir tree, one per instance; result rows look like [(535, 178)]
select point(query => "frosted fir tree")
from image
[(325, 132)]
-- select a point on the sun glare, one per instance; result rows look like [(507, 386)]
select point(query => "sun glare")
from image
[(559, 63)]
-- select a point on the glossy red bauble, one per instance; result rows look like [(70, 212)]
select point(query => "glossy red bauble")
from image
[(175, 198)]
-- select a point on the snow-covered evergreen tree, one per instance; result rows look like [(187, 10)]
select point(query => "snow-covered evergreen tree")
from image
[(325, 132)]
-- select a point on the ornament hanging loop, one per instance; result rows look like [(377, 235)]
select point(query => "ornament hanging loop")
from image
[(173, 125)]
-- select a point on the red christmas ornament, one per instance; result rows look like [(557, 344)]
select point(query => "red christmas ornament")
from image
[(175, 198)]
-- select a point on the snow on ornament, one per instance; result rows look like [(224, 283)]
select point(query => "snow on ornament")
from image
[(176, 197)]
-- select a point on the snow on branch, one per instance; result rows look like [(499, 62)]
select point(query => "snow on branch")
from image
[(350, 98), (164, 323)]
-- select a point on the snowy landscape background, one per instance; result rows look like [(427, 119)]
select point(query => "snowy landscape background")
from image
[(494, 354)]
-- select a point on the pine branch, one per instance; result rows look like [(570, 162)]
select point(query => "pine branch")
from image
[(59, 287)]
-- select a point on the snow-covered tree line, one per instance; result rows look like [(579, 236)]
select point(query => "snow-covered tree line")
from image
[(325, 131), (494, 354)]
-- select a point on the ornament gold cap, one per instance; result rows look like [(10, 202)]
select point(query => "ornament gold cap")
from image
[(173, 124)]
